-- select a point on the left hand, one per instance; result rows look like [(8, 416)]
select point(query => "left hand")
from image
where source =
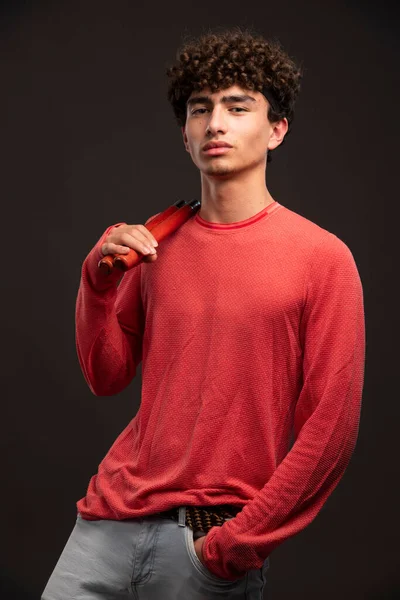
[(198, 545)]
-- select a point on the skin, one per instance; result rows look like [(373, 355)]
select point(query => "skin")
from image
[(233, 185)]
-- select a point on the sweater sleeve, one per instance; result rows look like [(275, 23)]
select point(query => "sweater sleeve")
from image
[(326, 419), (109, 324)]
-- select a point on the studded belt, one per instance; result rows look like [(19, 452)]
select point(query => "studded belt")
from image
[(201, 518)]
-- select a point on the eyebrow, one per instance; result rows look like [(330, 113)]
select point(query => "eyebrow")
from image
[(224, 99)]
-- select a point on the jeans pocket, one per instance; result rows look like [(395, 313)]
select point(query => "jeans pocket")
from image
[(199, 565)]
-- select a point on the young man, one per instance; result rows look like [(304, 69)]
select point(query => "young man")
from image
[(250, 327)]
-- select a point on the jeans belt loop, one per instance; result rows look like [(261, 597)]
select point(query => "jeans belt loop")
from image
[(182, 516)]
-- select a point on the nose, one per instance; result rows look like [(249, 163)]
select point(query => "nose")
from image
[(217, 121)]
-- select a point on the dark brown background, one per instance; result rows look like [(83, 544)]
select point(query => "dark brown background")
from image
[(88, 139)]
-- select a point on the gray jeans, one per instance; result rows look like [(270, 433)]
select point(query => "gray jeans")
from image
[(150, 558)]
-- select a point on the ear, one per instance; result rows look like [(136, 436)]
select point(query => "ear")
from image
[(185, 141), (279, 130)]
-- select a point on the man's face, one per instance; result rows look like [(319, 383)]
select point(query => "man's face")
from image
[(236, 116)]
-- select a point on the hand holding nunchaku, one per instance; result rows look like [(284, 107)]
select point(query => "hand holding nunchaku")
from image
[(161, 227)]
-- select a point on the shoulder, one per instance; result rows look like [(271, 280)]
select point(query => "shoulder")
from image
[(318, 243)]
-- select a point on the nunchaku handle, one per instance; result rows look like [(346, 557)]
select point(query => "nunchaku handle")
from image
[(160, 226)]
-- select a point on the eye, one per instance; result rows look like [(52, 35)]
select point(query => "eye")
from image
[(197, 110), (238, 108)]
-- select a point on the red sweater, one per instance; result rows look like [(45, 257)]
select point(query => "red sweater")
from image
[(250, 334)]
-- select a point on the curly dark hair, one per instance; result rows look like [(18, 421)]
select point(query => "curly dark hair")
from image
[(235, 56)]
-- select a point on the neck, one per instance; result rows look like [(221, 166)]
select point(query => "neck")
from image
[(232, 200)]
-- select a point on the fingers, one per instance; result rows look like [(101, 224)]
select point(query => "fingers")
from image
[(147, 234), (136, 240), (121, 239), (110, 248)]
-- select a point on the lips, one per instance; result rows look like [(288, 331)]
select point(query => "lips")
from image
[(211, 145), (219, 151)]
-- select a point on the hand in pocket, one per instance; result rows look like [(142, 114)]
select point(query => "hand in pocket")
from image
[(198, 545)]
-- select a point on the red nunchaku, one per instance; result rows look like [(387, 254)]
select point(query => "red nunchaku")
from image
[(160, 226)]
